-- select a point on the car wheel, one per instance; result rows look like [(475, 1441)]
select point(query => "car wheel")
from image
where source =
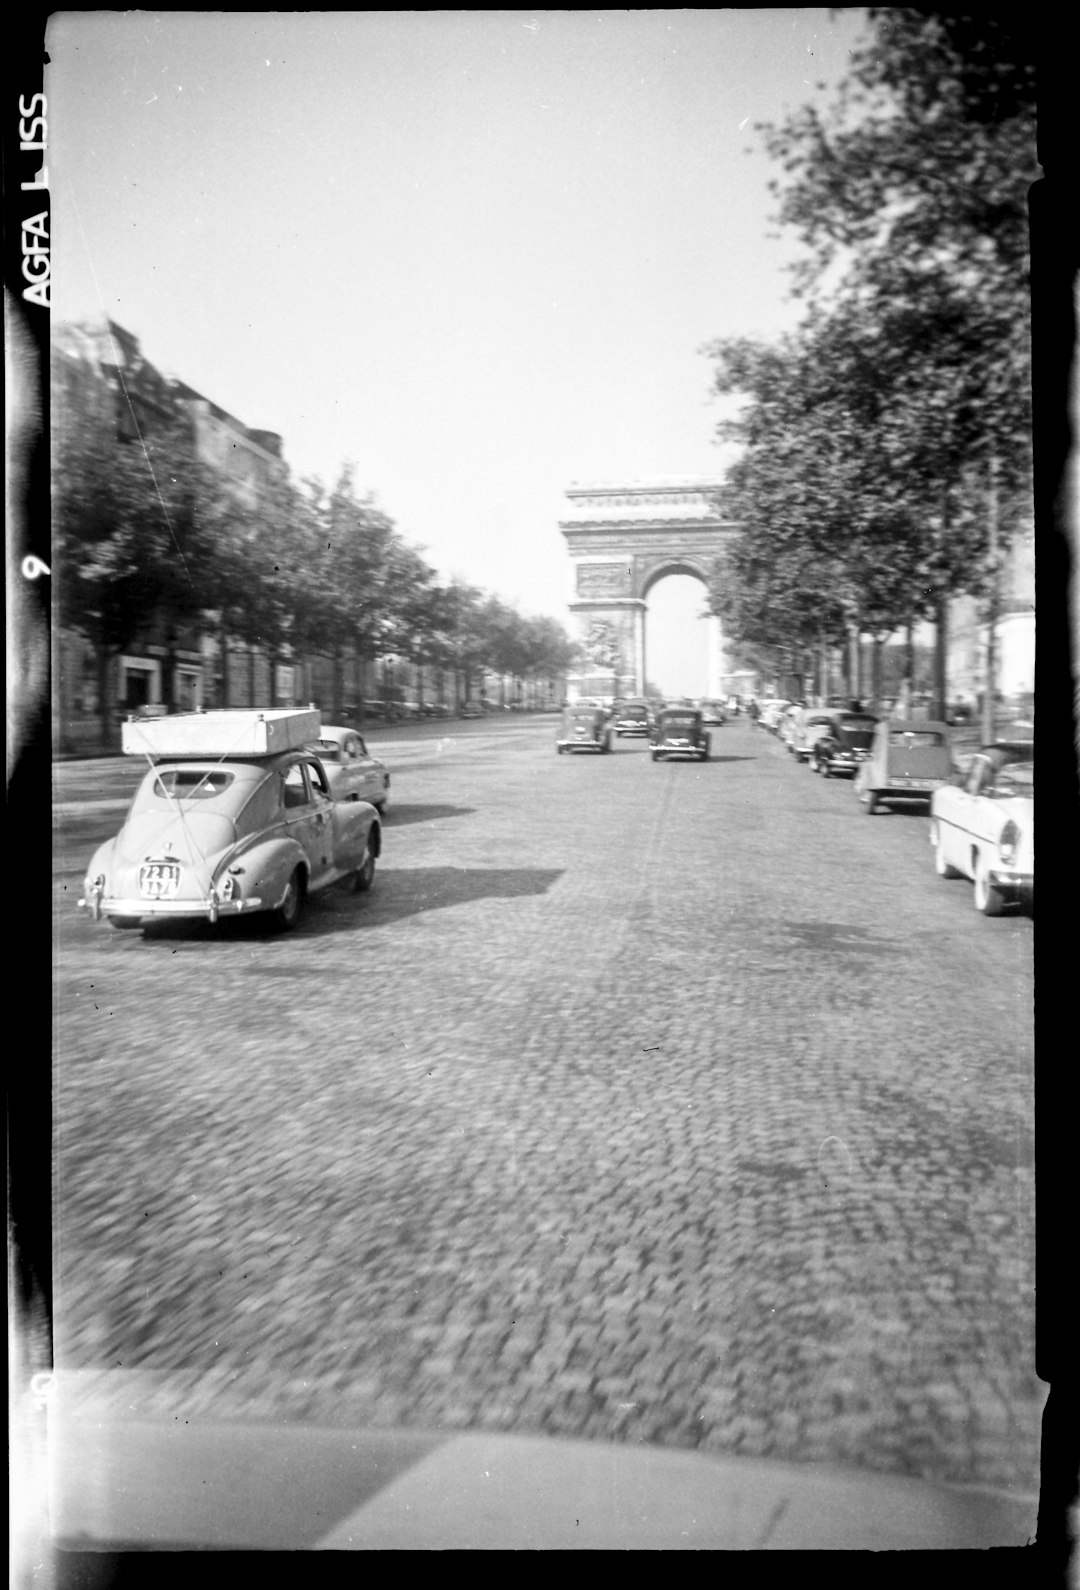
[(364, 877), (559, 749), (988, 900), (126, 921), (870, 802), (943, 868), (287, 914), (656, 756)]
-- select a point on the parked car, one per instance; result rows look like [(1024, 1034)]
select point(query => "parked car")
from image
[(908, 761), (843, 746), (679, 731), (770, 713), (785, 723), (715, 713), (982, 826), (584, 729), (353, 773), (471, 709), (807, 727), (631, 718), (211, 833)]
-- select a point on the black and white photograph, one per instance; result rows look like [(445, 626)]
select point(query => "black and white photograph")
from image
[(542, 512)]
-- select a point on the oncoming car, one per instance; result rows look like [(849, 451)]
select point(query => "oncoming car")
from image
[(982, 827), (353, 773), (631, 718), (223, 826), (679, 731)]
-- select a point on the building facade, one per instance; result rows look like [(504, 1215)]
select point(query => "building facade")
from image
[(100, 377)]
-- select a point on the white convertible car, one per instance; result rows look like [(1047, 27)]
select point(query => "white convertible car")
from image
[(983, 827)]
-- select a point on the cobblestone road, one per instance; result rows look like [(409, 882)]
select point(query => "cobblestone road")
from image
[(666, 1102)]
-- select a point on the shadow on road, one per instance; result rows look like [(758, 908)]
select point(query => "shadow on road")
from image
[(398, 893), (400, 816)]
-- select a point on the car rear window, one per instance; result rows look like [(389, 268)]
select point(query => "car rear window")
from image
[(916, 739), (679, 720), (188, 783)]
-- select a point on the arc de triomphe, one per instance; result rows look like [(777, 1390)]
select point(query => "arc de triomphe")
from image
[(622, 539)]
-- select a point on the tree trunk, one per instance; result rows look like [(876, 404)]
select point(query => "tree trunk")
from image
[(168, 690), (854, 663), (223, 648), (103, 657), (990, 676), (941, 654)]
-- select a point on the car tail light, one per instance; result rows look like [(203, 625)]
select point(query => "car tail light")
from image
[(1009, 843)]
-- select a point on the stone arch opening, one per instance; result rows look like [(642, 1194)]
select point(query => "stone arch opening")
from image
[(681, 641), (623, 540)]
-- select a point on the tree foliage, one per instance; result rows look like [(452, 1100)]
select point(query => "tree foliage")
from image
[(885, 442), (150, 541)]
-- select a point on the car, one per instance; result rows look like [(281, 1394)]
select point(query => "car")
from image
[(679, 731), (982, 827), (584, 729), (844, 745), (631, 718), (771, 712), (908, 761), (807, 727), (714, 712), (471, 709), (353, 773), (231, 819), (785, 723)]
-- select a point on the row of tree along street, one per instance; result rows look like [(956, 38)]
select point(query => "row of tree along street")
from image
[(886, 460), (150, 542)]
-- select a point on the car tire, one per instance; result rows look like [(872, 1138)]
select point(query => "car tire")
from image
[(988, 900), (870, 801), (126, 921), (287, 914), (364, 876), (656, 756), (943, 868)]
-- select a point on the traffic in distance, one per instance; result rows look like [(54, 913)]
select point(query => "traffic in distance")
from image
[(245, 811)]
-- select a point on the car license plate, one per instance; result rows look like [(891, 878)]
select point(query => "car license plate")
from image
[(159, 880)]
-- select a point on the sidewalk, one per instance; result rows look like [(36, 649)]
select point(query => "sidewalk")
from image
[(122, 1477)]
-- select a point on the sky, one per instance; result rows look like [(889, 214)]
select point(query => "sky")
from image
[(476, 255)]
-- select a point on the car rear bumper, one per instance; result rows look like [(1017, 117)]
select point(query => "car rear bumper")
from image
[(196, 909)]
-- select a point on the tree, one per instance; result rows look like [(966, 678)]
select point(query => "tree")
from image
[(138, 533), (910, 196)]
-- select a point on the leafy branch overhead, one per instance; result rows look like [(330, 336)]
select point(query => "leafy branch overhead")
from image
[(884, 445)]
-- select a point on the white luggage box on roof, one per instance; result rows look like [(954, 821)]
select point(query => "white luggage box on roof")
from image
[(240, 732)]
